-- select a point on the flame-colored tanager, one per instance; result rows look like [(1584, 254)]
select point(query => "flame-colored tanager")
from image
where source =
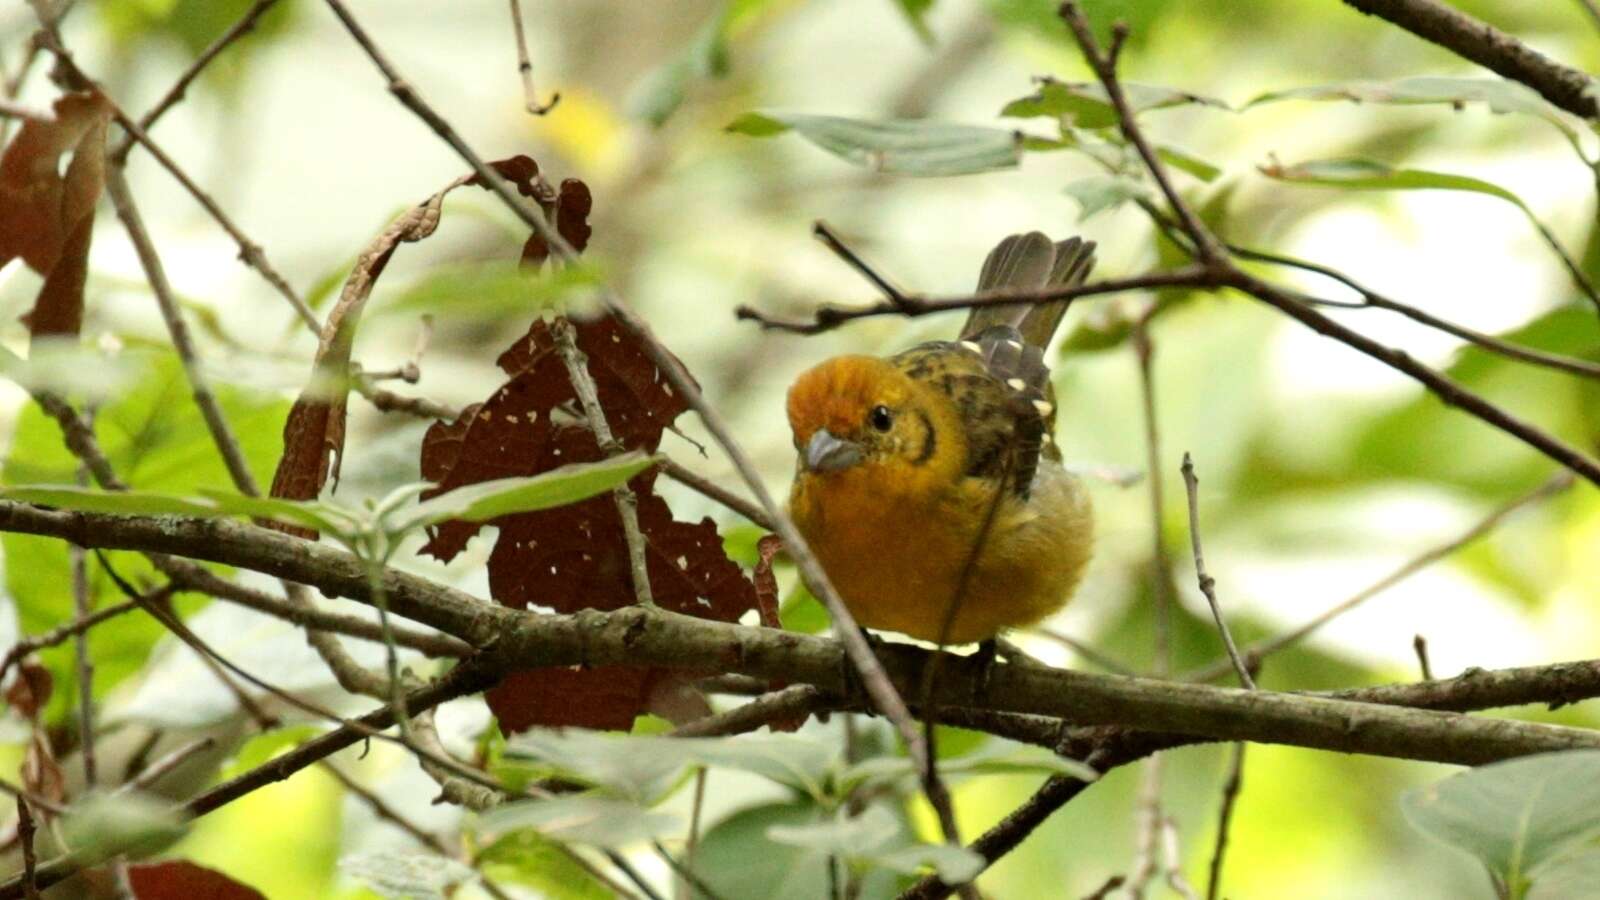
[(928, 482)]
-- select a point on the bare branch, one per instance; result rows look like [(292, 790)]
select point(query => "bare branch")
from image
[(171, 98), (1489, 47), (828, 317), (1262, 649), (1420, 644), (525, 67), (627, 504), (1208, 584)]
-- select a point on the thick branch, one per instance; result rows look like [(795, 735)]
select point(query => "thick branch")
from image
[(1489, 47), (638, 636)]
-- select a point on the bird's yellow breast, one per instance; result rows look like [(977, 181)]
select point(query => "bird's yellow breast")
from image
[(897, 557)]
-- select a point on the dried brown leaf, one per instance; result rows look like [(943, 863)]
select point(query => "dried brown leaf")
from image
[(46, 216), (314, 432), (576, 557)]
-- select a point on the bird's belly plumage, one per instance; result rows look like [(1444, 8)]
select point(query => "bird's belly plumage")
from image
[(898, 561)]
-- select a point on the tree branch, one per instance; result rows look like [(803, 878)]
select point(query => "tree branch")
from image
[(1461, 34)]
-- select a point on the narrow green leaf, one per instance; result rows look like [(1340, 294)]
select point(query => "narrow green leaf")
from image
[(857, 837), (954, 864), (1515, 815), (915, 147), (125, 503), (525, 857), (585, 819), (1086, 105), (506, 496), (309, 514), (408, 874), (1098, 193), (1499, 95), (1370, 175), (1187, 162)]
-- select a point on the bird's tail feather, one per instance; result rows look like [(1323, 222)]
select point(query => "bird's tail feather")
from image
[(1024, 262)]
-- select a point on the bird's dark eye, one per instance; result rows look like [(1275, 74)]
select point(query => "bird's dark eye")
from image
[(881, 418)]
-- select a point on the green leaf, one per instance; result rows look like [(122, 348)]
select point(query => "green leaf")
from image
[(954, 864), (132, 822), (157, 441), (897, 146), (1187, 162), (1514, 816), (584, 819), (506, 496), (493, 290), (126, 503), (1086, 105), (843, 836), (1567, 877), (527, 858), (1003, 759), (875, 838), (638, 768), (308, 513), (1098, 193), (408, 874), (1370, 175), (1501, 96), (916, 13)]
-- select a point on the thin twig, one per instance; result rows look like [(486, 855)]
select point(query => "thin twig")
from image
[(249, 252), (1208, 585), (682, 871), (577, 363), (525, 67), (1258, 651), (44, 803), (30, 862), (1373, 299), (717, 492), (1090, 654), (178, 329), (462, 680), (1104, 65), (795, 700), (1420, 644), (696, 807), (16, 652), (1230, 796), (243, 26), (164, 766), (858, 653), (828, 317), (823, 233), (81, 605)]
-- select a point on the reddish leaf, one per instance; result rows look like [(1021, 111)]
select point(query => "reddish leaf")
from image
[(313, 434), (46, 217), (570, 211), (766, 588), (766, 583), (183, 880), (31, 689), (604, 699), (576, 557)]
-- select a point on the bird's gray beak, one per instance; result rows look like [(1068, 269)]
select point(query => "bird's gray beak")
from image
[(826, 453)]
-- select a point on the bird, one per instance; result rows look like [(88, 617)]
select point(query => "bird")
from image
[(929, 484)]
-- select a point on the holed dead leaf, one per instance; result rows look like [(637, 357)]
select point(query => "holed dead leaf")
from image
[(576, 557), (46, 216)]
